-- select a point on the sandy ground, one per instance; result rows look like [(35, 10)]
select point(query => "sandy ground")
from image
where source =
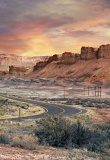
[(9, 153), (49, 153), (104, 114), (47, 88)]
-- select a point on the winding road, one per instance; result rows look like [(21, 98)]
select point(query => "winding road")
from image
[(51, 109)]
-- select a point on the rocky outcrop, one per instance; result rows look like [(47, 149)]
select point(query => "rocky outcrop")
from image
[(42, 64), (18, 71), (52, 58), (69, 58), (88, 53), (3, 74), (104, 51)]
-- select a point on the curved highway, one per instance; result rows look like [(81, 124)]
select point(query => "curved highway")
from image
[(51, 109)]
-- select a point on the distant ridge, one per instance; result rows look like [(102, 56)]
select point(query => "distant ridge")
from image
[(7, 60)]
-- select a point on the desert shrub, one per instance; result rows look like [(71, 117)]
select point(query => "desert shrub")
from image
[(24, 106), (2, 113), (80, 134), (96, 141), (27, 142), (3, 138), (57, 131), (54, 131)]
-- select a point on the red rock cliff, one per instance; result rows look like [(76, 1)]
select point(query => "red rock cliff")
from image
[(104, 51), (18, 71), (69, 58), (88, 53)]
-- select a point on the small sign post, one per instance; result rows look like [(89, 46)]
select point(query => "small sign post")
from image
[(19, 113)]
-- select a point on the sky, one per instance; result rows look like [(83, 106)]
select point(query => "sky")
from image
[(47, 27)]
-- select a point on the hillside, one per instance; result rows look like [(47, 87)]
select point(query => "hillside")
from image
[(93, 64), (91, 70)]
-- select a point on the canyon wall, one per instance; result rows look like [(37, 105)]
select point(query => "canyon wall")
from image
[(104, 51)]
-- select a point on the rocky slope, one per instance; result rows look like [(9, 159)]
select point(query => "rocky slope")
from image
[(7, 60), (93, 64)]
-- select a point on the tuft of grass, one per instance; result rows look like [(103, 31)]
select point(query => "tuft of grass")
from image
[(3, 138), (27, 142)]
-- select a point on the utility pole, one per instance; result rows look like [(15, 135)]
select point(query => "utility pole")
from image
[(64, 91), (95, 91), (19, 114), (84, 91), (100, 91), (88, 90)]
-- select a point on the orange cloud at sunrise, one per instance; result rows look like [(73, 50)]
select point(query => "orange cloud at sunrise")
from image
[(46, 27)]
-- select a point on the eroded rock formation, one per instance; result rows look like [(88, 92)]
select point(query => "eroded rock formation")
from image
[(104, 51), (52, 58), (69, 58), (40, 65), (18, 71), (88, 53)]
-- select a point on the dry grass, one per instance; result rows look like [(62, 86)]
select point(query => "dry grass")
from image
[(10, 109), (46, 153)]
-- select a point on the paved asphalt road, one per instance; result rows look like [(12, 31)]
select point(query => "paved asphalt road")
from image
[(51, 109)]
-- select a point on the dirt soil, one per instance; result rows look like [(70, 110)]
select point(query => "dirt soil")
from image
[(11, 153), (104, 113)]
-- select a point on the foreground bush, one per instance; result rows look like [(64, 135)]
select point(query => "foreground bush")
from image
[(3, 138), (54, 131), (80, 134), (27, 142), (57, 131)]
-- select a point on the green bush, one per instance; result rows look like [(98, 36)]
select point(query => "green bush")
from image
[(54, 131), (2, 113), (57, 131), (96, 141), (80, 134), (3, 138)]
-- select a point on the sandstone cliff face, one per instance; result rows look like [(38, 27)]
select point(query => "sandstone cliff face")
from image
[(52, 58), (18, 71), (88, 53), (104, 51), (69, 58), (42, 64)]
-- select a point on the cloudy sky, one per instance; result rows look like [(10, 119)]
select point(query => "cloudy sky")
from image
[(47, 27)]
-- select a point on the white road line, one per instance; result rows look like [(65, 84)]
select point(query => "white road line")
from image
[(44, 108), (78, 112)]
